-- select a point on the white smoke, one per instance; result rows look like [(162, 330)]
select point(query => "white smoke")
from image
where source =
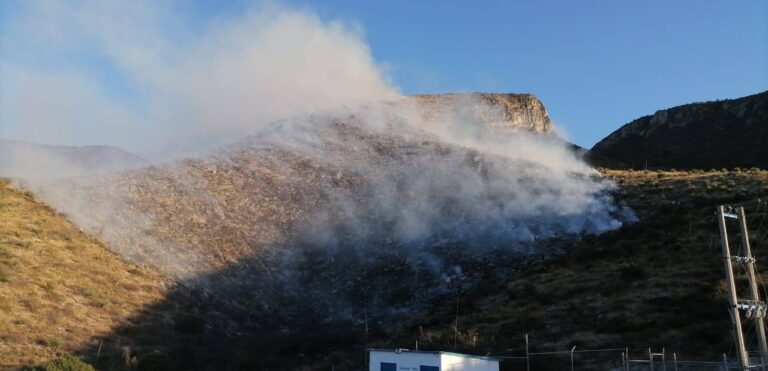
[(150, 78), (320, 112)]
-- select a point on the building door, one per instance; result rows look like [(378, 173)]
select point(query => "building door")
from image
[(388, 366), (429, 368)]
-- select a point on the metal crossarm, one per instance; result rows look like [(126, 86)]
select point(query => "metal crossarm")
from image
[(743, 259), (753, 308)]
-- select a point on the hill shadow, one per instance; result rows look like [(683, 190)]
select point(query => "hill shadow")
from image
[(316, 310)]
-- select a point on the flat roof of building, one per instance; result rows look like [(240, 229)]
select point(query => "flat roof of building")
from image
[(487, 358)]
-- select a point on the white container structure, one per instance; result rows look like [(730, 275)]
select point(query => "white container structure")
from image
[(419, 360)]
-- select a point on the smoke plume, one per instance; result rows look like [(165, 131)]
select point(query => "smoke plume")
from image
[(309, 169), (156, 79)]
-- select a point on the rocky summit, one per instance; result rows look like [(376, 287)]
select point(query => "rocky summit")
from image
[(510, 112)]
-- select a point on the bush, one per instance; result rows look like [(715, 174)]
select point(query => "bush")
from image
[(189, 324), (155, 361), (632, 273), (64, 363)]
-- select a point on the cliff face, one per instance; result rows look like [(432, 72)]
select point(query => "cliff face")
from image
[(721, 134), (509, 112)]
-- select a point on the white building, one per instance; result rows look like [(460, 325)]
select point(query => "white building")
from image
[(419, 360)]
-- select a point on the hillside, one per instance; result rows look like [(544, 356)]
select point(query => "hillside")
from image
[(307, 242), (25, 159), (711, 135), (317, 220), (631, 287), (252, 221), (60, 289), (656, 283)]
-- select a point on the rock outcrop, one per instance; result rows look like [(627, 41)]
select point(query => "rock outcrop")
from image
[(720, 134), (508, 112)]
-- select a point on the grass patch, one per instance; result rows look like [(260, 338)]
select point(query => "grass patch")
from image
[(47, 268)]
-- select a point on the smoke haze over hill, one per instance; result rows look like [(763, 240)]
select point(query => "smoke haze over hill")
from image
[(182, 86), (318, 161)]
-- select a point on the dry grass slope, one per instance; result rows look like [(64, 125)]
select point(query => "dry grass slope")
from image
[(60, 290), (654, 283)]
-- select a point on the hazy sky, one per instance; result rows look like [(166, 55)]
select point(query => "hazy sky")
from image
[(596, 65)]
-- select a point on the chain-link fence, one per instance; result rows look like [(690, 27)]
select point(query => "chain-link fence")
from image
[(619, 359)]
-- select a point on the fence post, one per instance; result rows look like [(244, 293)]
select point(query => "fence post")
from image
[(623, 362), (572, 349), (626, 351), (663, 359), (725, 362), (674, 358), (527, 356), (650, 359)]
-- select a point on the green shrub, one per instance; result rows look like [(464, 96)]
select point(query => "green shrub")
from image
[(54, 343), (64, 363)]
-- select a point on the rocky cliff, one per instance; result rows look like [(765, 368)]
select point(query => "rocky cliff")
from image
[(509, 112), (720, 134)]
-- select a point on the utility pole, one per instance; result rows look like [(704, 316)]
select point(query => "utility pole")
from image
[(755, 308), (731, 285), (750, 262)]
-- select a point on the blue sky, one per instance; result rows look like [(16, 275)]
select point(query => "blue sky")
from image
[(596, 65)]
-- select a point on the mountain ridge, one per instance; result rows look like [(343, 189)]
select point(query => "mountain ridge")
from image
[(725, 133), (26, 159)]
